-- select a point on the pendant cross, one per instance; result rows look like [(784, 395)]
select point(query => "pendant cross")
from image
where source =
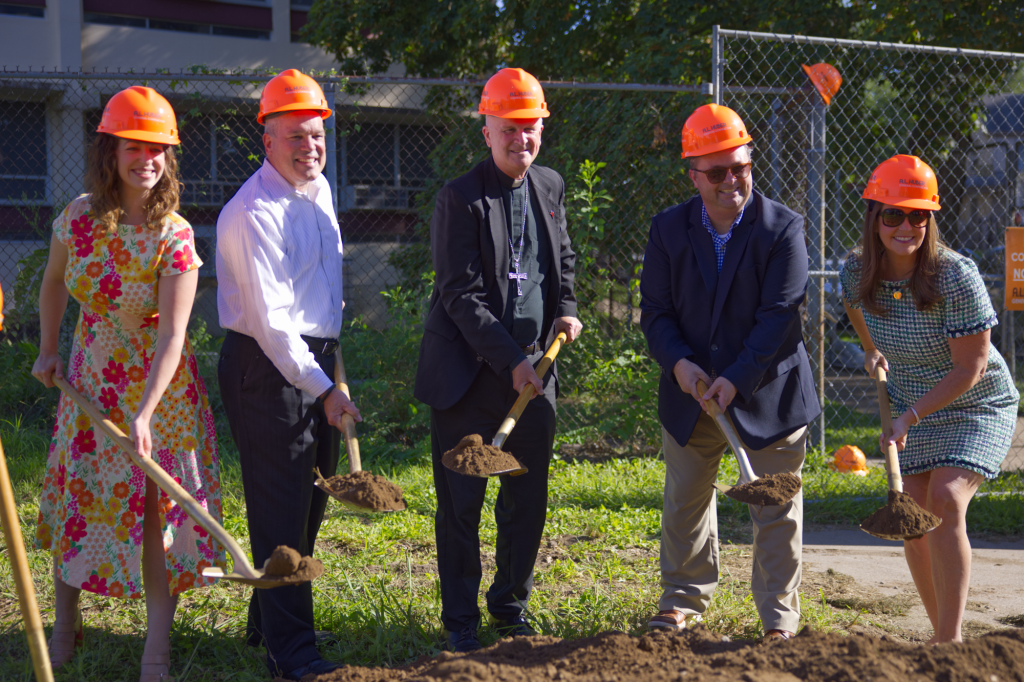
[(518, 277)]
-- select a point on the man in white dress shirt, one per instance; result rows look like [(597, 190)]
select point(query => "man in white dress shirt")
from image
[(279, 295)]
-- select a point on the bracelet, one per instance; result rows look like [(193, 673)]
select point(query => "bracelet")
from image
[(326, 393), (916, 415)]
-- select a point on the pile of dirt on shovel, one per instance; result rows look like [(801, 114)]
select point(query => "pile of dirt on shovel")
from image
[(770, 489), (697, 655), (363, 489), (286, 565), (473, 458), (901, 516)]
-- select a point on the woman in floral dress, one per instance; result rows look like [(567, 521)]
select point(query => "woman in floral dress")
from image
[(922, 313), (129, 260)]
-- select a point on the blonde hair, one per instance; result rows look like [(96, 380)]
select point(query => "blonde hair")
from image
[(103, 182)]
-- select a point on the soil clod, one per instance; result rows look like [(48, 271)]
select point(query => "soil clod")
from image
[(767, 490), (365, 490), (285, 565), (900, 518), (473, 458)]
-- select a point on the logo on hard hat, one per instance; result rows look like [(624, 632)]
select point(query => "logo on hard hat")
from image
[(717, 126), (520, 94), (913, 183), (297, 88), (148, 115)]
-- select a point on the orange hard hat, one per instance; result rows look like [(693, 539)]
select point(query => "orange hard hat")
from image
[(849, 458), (905, 181), (825, 79), (712, 128), (140, 113), (292, 90), (513, 93)]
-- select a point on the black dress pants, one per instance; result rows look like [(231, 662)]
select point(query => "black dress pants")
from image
[(281, 433), (520, 510)]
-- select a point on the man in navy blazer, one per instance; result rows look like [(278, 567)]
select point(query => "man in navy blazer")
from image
[(723, 278), (504, 287)]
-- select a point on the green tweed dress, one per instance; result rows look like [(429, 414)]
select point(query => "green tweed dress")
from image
[(974, 431)]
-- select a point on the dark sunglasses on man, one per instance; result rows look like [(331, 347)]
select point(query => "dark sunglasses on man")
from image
[(717, 175), (894, 217)]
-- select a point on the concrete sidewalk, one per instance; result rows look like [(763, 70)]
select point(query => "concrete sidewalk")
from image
[(997, 573)]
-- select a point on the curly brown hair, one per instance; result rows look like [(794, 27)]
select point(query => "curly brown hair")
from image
[(103, 182), (924, 281)]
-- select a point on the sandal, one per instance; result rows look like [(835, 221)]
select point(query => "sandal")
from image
[(156, 668), (773, 636), (64, 640)]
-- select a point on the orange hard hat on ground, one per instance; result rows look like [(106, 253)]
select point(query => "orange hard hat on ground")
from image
[(513, 93), (142, 114), (292, 90), (825, 79), (905, 181), (850, 459), (713, 128)]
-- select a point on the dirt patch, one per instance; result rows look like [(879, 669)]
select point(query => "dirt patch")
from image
[(770, 489), (286, 565), (365, 490), (698, 655), (605, 450), (473, 458), (901, 517)]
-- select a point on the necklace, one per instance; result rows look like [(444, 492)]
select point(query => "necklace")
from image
[(516, 257)]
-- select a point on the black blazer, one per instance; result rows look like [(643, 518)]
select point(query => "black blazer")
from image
[(742, 323), (469, 246)]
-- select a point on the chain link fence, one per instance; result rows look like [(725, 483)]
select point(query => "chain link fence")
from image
[(394, 142), (961, 111)]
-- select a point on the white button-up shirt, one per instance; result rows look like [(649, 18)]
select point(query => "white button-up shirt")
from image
[(279, 260)]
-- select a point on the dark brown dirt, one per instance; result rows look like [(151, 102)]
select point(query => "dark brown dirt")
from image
[(473, 458), (366, 490), (767, 490), (698, 655), (286, 565), (901, 516)]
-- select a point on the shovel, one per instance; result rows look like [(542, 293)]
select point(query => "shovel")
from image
[(747, 474), (348, 431), (904, 518), (244, 572), (517, 411)]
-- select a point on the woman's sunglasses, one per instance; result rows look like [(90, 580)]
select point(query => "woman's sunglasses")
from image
[(717, 175), (894, 217)]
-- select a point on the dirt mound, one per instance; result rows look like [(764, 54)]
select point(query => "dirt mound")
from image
[(697, 655), (365, 490), (473, 458), (286, 565), (901, 516), (770, 489)]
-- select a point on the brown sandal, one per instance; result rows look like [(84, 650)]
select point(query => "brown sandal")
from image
[(156, 668), (773, 636), (65, 640)]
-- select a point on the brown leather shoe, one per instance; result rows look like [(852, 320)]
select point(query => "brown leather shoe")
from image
[(670, 619), (773, 636)]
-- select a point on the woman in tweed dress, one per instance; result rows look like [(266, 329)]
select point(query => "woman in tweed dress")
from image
[(922, 312)]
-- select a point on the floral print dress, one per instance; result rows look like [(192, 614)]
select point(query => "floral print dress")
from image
[(93, 499)]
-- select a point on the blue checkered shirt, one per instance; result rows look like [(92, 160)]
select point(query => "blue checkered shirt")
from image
[(720, 240)]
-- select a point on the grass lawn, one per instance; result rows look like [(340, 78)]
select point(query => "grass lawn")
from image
[(597, 571)]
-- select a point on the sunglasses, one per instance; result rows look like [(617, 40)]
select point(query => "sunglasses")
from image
[(717, 175), (894, 217)]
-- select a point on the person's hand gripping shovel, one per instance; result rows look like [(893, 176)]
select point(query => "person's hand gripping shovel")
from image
[(472, 458), (772, 489)]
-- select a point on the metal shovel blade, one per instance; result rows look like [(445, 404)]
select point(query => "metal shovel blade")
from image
[(348, 504), (900, 538), (261, 582)]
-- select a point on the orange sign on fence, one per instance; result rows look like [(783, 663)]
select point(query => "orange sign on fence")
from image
[(1015, 268)]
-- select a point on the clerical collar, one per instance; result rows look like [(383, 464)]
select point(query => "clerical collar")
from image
[(506, 180)]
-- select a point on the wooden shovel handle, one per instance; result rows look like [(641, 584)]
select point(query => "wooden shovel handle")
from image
[(163, 481), (23, 577), (348, 422), (892, 455), (517, 410), (746, 471)]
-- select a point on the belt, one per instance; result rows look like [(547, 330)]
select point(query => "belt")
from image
[(532, 348), (320, 346)]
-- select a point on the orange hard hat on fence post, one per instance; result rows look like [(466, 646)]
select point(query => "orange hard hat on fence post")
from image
[(140, 113), (905, 181), (713, 128), (825, 79), (292, 90), (513, 93)]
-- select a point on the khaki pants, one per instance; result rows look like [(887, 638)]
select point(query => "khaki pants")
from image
[(689, 527)]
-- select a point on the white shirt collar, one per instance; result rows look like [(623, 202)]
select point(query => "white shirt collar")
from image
[(277, 187)]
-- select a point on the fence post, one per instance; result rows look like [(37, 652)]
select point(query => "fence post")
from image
[(331, 142), (776, 147), (716, 65), (816, 251)]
